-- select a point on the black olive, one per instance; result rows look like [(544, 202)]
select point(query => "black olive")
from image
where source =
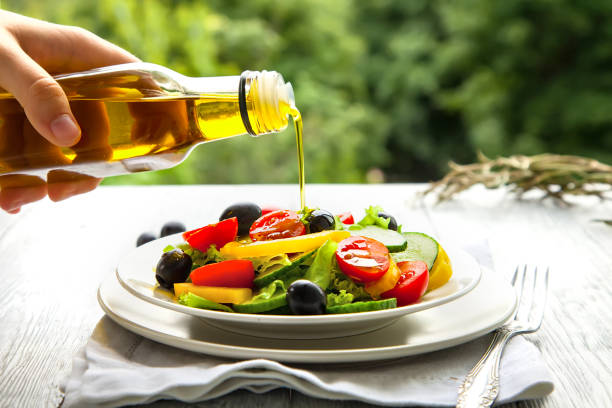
[(306, 298), (144, 238), (321, 220), (392, 222), (172, 227), (246, 213), (173, 267)]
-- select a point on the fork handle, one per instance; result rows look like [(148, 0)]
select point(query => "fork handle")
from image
[(481, 385)]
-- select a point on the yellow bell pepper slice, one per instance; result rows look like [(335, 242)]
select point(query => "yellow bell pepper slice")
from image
[(215, 293), (303, 243), (441, 271), (386, 282)]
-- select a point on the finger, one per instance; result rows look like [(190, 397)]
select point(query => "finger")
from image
[(62, 184), (155, 121), (95, 130), (62, 49), (41, 97), (18, 190), (41, 153), (11, 135), (12, 199)]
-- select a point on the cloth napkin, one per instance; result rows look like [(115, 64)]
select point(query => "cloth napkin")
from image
[(118, 368)]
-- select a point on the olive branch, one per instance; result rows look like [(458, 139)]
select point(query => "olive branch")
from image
[(557, 176)]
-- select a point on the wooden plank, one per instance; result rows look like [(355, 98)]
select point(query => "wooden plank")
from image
[(575, 335)]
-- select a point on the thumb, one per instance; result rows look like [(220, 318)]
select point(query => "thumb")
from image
[(43, 100)]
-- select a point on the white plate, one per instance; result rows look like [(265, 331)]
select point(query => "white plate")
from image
[(482, 310), (136, 274)]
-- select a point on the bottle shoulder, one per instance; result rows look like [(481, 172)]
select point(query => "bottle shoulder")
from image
[(130, 67), (124, 82)]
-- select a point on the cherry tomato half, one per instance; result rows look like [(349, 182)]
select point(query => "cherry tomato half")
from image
[(346, 218), (217, 234), (362, 259), (276, 225), (235, 273), (411, 284), (268, 209)]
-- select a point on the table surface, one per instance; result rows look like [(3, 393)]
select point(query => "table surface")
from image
[(54, 255)]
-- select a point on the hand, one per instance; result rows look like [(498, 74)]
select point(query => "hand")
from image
[(31, 52)]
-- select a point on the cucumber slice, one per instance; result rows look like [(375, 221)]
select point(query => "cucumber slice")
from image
[(358, 307), (283, 310), (193, 300), (393, 240), (283, 272), (421, 247), (262, 305)]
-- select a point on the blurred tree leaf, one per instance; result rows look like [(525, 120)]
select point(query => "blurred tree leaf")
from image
[(402, 86)]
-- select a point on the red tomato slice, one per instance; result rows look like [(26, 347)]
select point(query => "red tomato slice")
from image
[(235, 273), (217, 234), (276, 225), (269, 209), (412, 283), (362, 259), (346, 218)]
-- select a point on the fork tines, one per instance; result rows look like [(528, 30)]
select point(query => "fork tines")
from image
[(531, 286)]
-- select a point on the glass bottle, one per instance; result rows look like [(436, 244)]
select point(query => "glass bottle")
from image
[(139, 117)]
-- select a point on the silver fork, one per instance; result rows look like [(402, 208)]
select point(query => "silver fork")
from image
[(481, 385)]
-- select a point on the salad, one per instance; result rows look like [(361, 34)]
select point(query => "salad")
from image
[(311, 262)]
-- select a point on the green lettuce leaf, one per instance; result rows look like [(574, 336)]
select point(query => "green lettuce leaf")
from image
[(200, 258), (372, 218), (273, 289), (339, 282), (319, 271), (339, 225), (262, 264), (305, 214), (342, 298)]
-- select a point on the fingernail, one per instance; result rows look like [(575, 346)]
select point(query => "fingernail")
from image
[(65, 130)]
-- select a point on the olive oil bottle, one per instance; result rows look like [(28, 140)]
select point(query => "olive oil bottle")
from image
[(140, 117)]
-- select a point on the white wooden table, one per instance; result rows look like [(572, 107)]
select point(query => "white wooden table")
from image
[(53, 256)]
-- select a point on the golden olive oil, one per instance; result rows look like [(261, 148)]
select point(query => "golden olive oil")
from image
[(297, 123), (116, 136), (140, 117)]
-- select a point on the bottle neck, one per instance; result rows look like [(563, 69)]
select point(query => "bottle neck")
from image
[(265, 101), (261, 100)]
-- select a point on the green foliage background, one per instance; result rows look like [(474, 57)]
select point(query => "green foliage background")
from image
[(400, 86)]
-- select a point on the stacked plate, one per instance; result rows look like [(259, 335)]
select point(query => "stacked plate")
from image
[(471, 304)]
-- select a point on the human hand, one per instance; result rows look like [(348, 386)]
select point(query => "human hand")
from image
[(32, 51)]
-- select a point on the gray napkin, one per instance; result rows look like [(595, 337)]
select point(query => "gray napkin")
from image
[(118, 368)]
